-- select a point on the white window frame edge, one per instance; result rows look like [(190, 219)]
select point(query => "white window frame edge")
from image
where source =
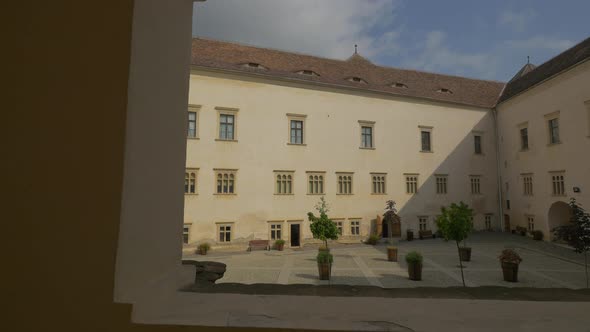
[(197, 110), (148, 277), (429, 129), (221, 110), (297, 117), (367, 123)]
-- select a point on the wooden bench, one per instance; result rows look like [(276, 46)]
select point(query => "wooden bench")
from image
[(425, 234), (258, 244)]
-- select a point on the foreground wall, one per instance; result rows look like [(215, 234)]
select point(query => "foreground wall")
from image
[(332, 140), (567, 97)]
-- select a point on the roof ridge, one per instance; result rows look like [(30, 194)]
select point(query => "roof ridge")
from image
[(345, 60)]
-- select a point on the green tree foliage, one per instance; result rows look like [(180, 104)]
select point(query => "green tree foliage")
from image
[(322, 227), (455, 224), (577, 233)]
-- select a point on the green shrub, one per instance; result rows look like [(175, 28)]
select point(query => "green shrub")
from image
[(413, 257), (280, 242), (203, 247), (510, 256), (325, 257), (373, 239)]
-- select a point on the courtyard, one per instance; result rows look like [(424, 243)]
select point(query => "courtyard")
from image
[(544, 265)]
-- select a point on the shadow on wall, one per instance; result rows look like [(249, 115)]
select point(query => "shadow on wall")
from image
[(457, 167)]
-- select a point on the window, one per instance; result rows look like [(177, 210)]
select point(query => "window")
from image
[(227, 123), (423, 223), (441, 184), (477, 143), (185, 234), (344, 183), (192, 122), (557, 180), (367, 139), (378, 181), (276, 231), (444, 90), (411, 183), (488, 221), (308, 73), (425, 139), (527, 183), (399, 85), (315, 183), (190, 181), (254, 65), (530, 223), (225, 233), (296, 128), (357, 80), (355, 227), (338, 226), (475, 184), (524, 139), (284, 182), (553, 127), (226, 181)]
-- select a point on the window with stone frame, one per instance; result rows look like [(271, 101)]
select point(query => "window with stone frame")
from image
[(426, 142), (225, 232), (530, 223), (488, 221), (186, 233), (192, 122), (475, 184), (339, 226), (558, 183), (524, 139), (411, 183), (190, 180), (441, 184), (315, 183), (344, 183), (225, 181), (297, 131), (477, 144), (276, 231), (378, 183), (527, 184), (284, 182), (553, 131), (423, 223), (355, 227)]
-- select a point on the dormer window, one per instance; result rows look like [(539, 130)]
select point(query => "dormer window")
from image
[(445, 90), (356, 79), (399, 85), (308, 73), (254, 65)]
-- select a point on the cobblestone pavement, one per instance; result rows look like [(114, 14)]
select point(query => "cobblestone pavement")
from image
[(544, 265)]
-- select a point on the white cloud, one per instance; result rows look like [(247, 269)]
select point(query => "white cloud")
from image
[(517, 21), (434, 54), (540, 43), (328, 28)]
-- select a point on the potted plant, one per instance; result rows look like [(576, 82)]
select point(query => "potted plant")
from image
[(414, 260), (373, 239), (325, 260), (322, 227), (203, 248), (509, 259), (280, 244), (538, 235), (455, 223), (390, 216)]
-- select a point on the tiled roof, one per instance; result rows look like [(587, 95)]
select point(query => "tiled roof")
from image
[(355, 72), (565, 60), (529, 67)]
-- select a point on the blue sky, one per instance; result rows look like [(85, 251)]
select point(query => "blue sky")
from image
[(480, 39)]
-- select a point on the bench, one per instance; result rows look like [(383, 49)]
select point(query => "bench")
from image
[(258, 244), (425, 234)]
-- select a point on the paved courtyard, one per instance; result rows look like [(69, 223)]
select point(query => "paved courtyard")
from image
[(544, 265)]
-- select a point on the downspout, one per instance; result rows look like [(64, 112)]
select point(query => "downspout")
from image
[(498, 172)]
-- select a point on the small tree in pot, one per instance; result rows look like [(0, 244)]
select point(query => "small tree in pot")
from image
[(322, 227), (203, 248), (414, 260), (577, 233), (325, 260), (280, 244), (510, 259), (390, 217), (455, 223)]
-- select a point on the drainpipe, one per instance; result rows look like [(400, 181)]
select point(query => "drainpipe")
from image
[(498, 172)]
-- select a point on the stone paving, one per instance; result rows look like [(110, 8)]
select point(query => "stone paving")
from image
[(544, 265)]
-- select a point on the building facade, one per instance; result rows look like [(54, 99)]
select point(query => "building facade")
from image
[(271, 132)]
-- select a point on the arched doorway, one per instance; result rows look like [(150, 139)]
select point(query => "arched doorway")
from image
[(559, 215)]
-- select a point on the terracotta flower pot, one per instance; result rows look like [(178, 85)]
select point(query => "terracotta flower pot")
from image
[(415, 271), (392, 254), (325, 271), (510, 271), (465, 254), (280, 247)]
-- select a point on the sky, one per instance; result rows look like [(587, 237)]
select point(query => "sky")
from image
[(472, 38)]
